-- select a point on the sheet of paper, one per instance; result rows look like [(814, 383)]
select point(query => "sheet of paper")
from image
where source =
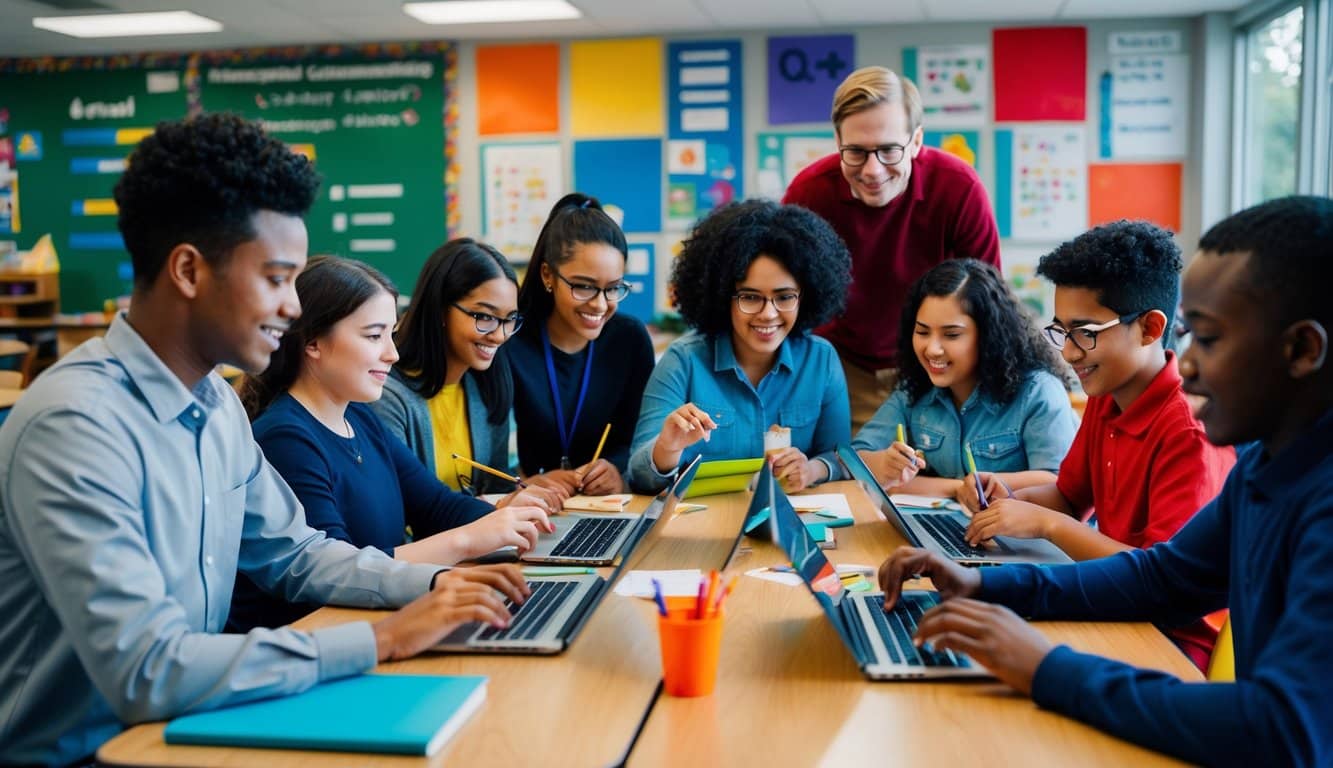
[(789, 579), (831, 502), (674, 583)]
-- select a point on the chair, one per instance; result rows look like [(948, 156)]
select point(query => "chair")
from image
[(1222, 666), (27, 354)]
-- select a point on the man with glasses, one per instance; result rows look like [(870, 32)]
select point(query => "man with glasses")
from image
[(901, 208)]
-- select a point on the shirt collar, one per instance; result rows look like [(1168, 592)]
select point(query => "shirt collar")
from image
[(1294, 466), (724, 355), (165, 395), (1160, 392)]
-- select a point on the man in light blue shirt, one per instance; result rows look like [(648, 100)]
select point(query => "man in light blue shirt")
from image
[(131, 489)]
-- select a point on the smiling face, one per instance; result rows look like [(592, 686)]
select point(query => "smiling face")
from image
[(465, 346), (1119, 364), (757, 337), (353, 359), (874, 183), (246, 302), (574, 322), (1235, 358), (946, 343)]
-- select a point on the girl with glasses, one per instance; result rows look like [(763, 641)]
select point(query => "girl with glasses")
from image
[(753, 279), (356, 481), (578, 364), (975, 373), (450, 392)]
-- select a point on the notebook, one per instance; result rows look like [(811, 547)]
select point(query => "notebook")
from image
[(614, 502), (396, 714), (724, 476)]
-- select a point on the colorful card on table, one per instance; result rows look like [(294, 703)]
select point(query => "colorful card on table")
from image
[(615, 502), (396, 714)]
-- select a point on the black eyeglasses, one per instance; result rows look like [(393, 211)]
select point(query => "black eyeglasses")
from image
[(889, 154), (587, 291), (1085, 336), (487, 323), (753, 303)]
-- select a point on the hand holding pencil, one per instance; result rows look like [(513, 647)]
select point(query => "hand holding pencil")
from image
[(599, 477)]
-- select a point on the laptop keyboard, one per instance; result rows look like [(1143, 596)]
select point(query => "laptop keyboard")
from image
[(590, 537), (896, 629), (529, 619), (949, 533)]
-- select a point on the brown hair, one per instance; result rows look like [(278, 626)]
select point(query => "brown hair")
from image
[(868, 87)]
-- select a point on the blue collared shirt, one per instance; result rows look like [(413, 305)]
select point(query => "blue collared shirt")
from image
[(1034, 431), (127, 504), (805, 391)]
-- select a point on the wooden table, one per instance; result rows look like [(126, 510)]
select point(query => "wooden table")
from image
[(9, 396), (788, 693)]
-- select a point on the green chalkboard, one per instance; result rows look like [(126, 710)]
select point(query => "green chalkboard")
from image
[(70, 132), (375, 129)]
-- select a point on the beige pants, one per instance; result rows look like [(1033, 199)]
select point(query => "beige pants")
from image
[(867, 391)]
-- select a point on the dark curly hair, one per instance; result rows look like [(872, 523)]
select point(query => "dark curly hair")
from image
[(1290, 243), (575, 218), (1009, 345), (1132, 266), (453, 271), (720, 249), (201, 181), (330, 289)]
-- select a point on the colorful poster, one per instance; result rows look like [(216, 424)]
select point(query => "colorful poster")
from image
[(1020, 271), (953, 80), (520, 185), (1040, 73), (9, 199), (1148, 191), (963, 145), (615, 88), (626, 176), (1148, 101), (1041, 182), (705, 151), (518, 89), (783, 155), (803, 73), (640, 273)]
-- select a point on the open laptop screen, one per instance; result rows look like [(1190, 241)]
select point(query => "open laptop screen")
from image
[(851, 462), (819, 575)]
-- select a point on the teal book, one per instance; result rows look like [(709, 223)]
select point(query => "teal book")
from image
[(398, 714)]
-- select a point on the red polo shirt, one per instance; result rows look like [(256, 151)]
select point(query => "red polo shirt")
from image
[(943, 214), (1147, 470)]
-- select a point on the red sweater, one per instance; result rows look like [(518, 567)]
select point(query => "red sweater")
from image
[(1146, 470), (943, 214)]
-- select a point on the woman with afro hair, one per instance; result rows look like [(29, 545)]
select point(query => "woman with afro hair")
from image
[(975, 372), (752, 280)]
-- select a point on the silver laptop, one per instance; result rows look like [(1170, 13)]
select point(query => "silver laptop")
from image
[(880, 642), (942, 530), (558, 608)]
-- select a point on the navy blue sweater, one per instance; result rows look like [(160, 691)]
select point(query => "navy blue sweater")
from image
[(1263, 548), (368, 504)]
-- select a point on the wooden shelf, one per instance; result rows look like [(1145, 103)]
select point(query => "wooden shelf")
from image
[(27, 299)]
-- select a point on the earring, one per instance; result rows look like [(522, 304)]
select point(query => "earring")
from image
[(548, 287)]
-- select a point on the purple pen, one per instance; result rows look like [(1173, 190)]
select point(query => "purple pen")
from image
[(657, 597)]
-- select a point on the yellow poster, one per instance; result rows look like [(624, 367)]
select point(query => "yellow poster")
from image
[(616, 88)]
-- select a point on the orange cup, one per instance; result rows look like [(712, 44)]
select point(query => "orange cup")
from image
[(690, 649)]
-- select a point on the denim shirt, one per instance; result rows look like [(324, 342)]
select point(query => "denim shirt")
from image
[(805, 391), (1034, 431)]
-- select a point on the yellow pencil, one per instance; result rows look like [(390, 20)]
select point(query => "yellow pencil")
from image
[(491, 471), (902, 434), (597, 454)]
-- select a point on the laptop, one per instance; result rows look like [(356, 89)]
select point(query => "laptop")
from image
[(558, 608), (880, 642), (941, 530)]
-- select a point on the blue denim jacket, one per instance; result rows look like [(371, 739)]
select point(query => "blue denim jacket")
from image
[(1032, 432), (805, 391)]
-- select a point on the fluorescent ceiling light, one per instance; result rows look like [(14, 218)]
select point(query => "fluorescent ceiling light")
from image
[(481, 11), (128, 24)]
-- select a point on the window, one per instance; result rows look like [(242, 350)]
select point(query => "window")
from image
[(1271, 121)]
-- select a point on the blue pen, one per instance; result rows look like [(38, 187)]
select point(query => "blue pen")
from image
[(657, 597)]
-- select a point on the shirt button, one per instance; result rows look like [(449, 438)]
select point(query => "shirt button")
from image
[(208, 560), (205, 501), (195, 413)]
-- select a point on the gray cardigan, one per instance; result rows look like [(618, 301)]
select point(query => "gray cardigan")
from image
[(405, 414)]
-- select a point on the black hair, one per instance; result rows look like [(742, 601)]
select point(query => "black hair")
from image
[(453, 271), (1009, 344), (1132, 266), (575, 218), (1290, 244), (201, 181), (329, 289), (720, 249)]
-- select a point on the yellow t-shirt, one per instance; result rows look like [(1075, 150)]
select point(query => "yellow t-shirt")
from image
[(448, 422)]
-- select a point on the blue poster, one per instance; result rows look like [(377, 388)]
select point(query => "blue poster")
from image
[(705, 161), (626, 176), (803, 73)]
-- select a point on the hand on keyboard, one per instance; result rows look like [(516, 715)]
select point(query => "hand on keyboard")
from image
[(1011, 517), (950, 579), (994, 636)]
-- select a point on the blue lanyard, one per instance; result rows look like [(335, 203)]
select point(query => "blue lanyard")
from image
[(566, 433)]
